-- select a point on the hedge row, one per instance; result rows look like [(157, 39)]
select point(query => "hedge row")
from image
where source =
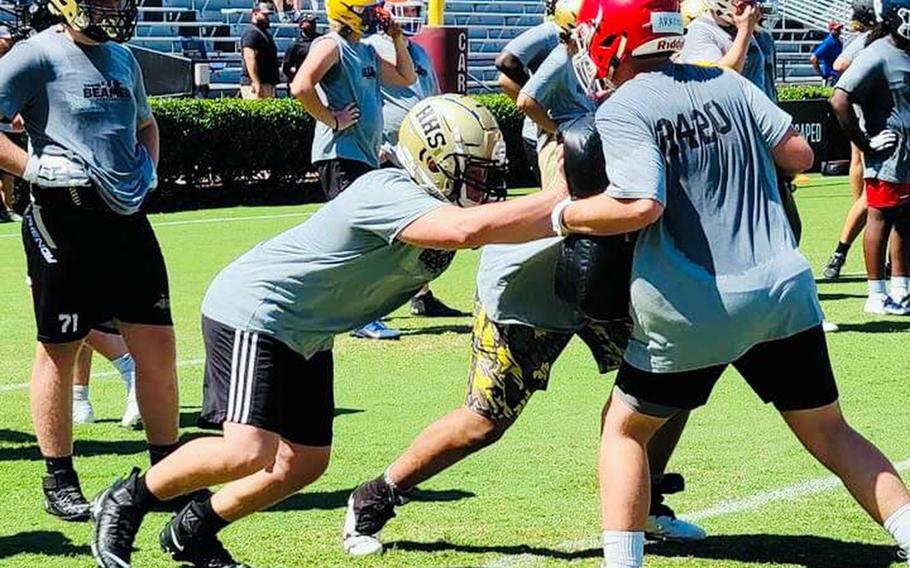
[(237, 145)]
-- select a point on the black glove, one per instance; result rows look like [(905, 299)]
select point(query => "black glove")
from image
[(787, 188), (593, 273)]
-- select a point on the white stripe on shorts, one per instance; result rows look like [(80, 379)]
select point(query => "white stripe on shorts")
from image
[(250, 378), (232, 393)]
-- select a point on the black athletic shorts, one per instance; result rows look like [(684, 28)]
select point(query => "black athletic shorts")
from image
[(89, 266), (336, 175), (256, 380), (792, 374)]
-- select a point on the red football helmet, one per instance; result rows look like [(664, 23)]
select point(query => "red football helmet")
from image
[(611, 31)]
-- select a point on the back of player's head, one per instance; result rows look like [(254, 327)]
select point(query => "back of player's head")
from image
[(610, 32), (99, 20), (896, 18), (565, 16), (864, 15), (692, 10), (361, 17), (452, 147)]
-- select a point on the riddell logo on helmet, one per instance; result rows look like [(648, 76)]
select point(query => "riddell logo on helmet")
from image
[(670, 44)]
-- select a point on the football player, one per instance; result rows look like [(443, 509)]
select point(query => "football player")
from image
[(520, 329), (91, 253), (270, 317), (875, 82), (717, 278)]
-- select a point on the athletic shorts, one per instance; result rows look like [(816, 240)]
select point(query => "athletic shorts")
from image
[(510, 362), (336, 175), (89, 266), (886, 195), (792, 374), (256, 380)]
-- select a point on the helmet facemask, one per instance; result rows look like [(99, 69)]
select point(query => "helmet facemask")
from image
[(901, 23), (100, 20), (597, 85), (409, 14), (475, 180)]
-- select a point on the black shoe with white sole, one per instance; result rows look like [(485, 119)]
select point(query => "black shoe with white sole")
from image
[(63, 496), (116, 518), (184, 542)]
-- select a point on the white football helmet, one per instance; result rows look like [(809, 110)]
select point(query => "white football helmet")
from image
[(410, 14)]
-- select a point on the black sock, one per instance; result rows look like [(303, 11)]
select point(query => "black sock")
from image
[(158, 453), (206, 522), (842, 248), (145, 499), (59, 465)]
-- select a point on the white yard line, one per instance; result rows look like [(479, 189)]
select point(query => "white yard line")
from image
[(101, 375), (203, 221), (750, 503)]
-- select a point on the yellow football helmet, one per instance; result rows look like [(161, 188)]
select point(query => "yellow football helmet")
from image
[(565, 16), (363, 17), (100, 20), (452, 147)]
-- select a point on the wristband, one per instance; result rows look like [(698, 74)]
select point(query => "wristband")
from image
[(556, 217), (336, 123)]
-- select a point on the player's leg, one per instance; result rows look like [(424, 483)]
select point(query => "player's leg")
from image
[(111, 345), (811, 409), (547, 162), (856, 217), (153, 348), (878, 229), (509, 363), (899, 245), (83, 413)]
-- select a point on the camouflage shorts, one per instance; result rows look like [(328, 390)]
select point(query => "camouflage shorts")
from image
[(510, 362)]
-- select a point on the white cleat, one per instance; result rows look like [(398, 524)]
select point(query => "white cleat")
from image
[(670, 528), (131, 417), (83, 413), (884, 305), (830, 327), (357, 544)]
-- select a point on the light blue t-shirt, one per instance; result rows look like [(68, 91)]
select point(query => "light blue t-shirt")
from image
[(515, 286), (86, 103), (720, 271), (354, 79), (531, 48), (397, 101), (337, 271), (878, 81), (556, 89)]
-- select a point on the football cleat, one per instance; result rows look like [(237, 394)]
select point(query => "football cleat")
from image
[(376, 330), (834, 266), (63, 497), (662, 522), (370, 507), (430, 306), (116, 519), (83, 413), (884, 305), (182, 540)]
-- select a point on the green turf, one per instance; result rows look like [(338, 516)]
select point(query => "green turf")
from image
[(534, 492)]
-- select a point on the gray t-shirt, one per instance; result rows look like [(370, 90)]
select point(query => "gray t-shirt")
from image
[(532, 48), (556, 89), (856, 45), (353, 79), (515, 286), (708, 42), (397, 101), (720, 271), (878, 81), (86, 103), (337, 271)]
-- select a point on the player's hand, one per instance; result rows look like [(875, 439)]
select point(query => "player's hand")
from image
[(748, 16), (347, 117), (884, 141), (256, 88), (394, 30), (30, 175)]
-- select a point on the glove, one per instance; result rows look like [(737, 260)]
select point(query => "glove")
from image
[(884, 141), (787, 188), (55, 171), (586, 172), (30, 175), (593, 275)]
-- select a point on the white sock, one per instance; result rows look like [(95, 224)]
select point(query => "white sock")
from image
[(876, 287), (899, 287), (898, 524), (623, 549), (124, 364), (80, 392)]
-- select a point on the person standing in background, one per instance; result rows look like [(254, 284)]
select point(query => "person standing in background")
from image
[(827, 52), (297, 52), (260, 58), (7, 181)]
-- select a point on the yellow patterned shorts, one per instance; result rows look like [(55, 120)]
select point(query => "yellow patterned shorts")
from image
[(510, 362)]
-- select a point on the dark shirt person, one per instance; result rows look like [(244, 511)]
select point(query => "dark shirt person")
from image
[(297, 52), (260, 59)]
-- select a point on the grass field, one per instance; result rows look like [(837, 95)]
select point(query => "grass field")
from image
[(528, 501)]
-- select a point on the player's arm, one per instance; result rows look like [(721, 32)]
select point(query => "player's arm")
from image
[(512, 74), (12, 158), (249, 58), (322, 57), (532, 109), (606, 215), (516, 221), (793, 155), (746, 22), (842, 63), (813, 59), (148, 136), (402, 73)]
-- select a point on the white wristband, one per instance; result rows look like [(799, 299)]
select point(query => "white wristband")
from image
[(559, 226)]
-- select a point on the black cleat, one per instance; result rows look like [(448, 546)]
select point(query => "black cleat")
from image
[(116, 518), (834, 266), (370, 507), (63, 497), (183, 541), (178, 504), (430, 306)]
